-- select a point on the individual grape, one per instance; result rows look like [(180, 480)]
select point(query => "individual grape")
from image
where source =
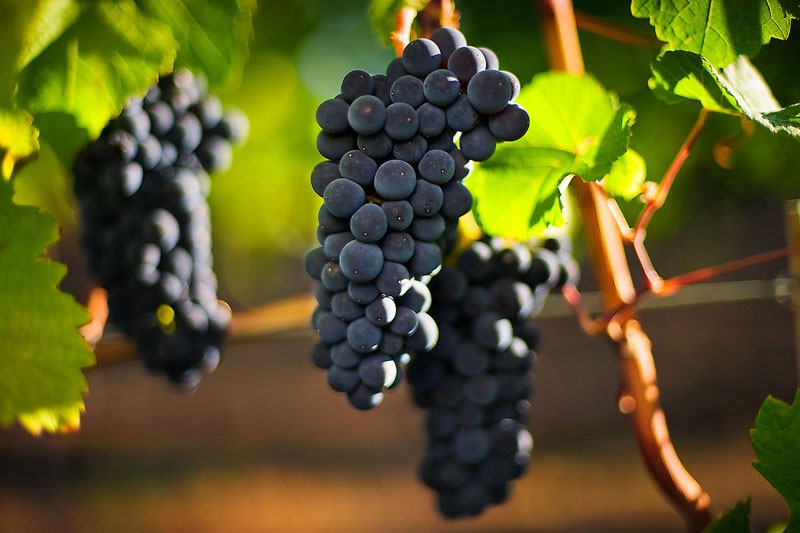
[(417, 298), (489, 91), (408, 89), (330, 223), (432, 120), (343, 197), (395, 180), (331, 328), (462, 164), (421, 57), (441, 87), (412, 150), (332, 116), (342, 379), (382, 311), (398, 246), (364, 397), (395, 70), (382, 89), (369, 223), (356, 166), (427, 198), (509, 124), (399, 214), (363, 335), (333, 278), (393, 279), (345, 308), (427, 228), (335, 146), (461, 116), (334, 243), (362, 293), (465, 62), (457, 200), (448, 40), (343, 355), (427, 259), (478, 144), (361, 261), (377, 371), (357, 83), (492, 62), (401, 121), (377, 146), (515, 85), (426, 334), (366, 115), (321, 356), (315, 261), (437, 166)]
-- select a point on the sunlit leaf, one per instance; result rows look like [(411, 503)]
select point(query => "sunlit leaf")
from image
[(577, 127), (109, 52), (738, 89), (42, 352), (19, 140), (719, 30), (626, 176), (213, 35), (776, 441)]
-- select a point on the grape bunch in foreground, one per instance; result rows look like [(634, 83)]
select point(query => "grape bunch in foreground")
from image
[(142, 189), (392, 196), (476, 382)]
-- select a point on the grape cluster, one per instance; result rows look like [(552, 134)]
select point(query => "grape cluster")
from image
[(475, 383), (142, 189), (392, 196)]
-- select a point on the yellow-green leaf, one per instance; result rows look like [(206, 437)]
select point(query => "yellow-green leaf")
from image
[(41, 350), (19, 140)]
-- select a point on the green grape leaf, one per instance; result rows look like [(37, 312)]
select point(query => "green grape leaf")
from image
[(14, 23), (776, 441), (382, 14), (109, 52), (213, 35), (626, 176), (19, 140), (41, 350), (734, 520), (719, 30), (737, 89), (49, 20), (577, 127)]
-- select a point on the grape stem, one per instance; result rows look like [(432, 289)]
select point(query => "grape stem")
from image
[(402, 29), (606, 242), (436, 14), (657, 199), (614, 32)]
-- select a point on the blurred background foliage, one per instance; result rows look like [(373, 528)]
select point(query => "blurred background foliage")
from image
[(264, 211)]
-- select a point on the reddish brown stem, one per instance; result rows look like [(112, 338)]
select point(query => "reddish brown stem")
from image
[(402, 29), (561, 36), (665, 185), (640, 390), (603, 28), (97, 304)]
